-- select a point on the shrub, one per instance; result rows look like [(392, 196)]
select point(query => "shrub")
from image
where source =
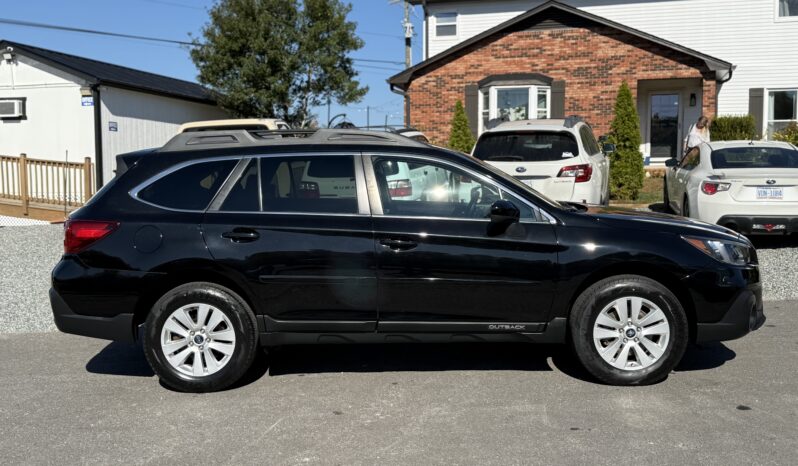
[(788, 134), (626, 163), (734, 128), (460, 137)]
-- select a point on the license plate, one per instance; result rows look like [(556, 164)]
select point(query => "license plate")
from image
[(770, 193)]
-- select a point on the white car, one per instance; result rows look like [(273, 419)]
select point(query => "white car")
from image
[(559, 158), (748, 186)]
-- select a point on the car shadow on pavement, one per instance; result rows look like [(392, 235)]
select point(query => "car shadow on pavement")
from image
[(128, 359), (120, 359), (705, 356)]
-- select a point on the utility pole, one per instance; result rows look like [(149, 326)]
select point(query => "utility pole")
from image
[(408, 36), (386, 121), (368, 117), (328, 111)]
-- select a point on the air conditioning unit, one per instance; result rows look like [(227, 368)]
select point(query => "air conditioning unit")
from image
[(12, 108)]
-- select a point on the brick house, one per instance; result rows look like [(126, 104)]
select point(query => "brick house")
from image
[(555, 60)]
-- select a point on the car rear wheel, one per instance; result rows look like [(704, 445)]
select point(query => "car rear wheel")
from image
[(628, 330), (200, 337)]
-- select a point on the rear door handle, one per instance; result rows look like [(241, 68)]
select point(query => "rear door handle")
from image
[(398, 244), (241, 235)]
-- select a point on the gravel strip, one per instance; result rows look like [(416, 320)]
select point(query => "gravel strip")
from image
[(28, 254)]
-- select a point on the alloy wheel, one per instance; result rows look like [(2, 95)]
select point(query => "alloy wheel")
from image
[(198, 339), (631, 333)]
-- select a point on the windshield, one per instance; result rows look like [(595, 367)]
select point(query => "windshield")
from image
[(755, 157), (526, 146)]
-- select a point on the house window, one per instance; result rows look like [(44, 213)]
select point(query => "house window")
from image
[(782, 109), (446, 24), (510, 103), (788, 8)]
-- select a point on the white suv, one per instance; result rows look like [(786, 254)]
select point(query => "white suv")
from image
[(559, 158)]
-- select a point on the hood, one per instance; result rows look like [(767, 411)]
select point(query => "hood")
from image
[(655, 221)]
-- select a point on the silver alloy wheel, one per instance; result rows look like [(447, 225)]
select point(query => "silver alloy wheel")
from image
[(198, 339), (631, 333)]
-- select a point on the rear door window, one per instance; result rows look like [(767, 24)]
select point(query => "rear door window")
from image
[(324, 184), (589, 141), (189, 188), (540, 146), (244, 195)]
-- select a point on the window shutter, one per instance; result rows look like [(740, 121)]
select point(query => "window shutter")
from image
[(558, 99), (756, 107), (472, 107)]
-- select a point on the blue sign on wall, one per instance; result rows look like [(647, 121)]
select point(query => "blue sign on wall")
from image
[(87, 101)]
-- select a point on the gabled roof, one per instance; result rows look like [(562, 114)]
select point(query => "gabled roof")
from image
[(401, 80), (97, 72)]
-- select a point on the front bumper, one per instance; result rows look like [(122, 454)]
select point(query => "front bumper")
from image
[(754, 224), (745, 315), (118, 327)]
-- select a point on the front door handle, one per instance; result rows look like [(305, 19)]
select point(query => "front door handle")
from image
[(241, 235), (398, 244)]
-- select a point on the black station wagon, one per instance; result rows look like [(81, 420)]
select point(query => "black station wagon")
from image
[(224, 241)]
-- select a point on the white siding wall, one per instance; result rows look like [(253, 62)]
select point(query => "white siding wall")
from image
[(143, 121), (746, 33), (56, 121)]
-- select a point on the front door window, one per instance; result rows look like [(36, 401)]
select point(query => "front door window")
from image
[(664, 125)]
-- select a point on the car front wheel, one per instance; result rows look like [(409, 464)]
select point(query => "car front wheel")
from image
[(628, 330), (200, 337)]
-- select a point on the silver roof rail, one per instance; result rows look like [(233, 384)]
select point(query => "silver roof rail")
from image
[(252, 138)]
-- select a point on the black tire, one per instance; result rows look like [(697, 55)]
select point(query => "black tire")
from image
[(665, 198), (685, 207), (593, 300), (234, 308)]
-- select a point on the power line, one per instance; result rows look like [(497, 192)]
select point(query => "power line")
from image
[(395, 70), (15, 22), (379, 61)]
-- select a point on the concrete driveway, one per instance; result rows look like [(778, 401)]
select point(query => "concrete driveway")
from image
[(69, 400)]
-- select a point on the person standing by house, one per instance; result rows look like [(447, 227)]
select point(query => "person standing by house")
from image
[(698, 133)]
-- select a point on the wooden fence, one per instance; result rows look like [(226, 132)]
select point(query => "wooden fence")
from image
[(47, 183)]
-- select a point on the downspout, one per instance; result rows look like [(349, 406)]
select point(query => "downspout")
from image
[(98, 137), (720, 82), (426, 29)]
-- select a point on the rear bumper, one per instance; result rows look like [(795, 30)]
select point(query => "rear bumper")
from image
[(745, 224), (118, 327)]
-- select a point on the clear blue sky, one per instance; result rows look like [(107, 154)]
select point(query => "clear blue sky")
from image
[(378, 24)]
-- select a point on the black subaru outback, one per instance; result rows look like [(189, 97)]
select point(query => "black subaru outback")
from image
[(222, 242)]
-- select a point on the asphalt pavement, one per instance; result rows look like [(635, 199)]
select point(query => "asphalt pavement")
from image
[(72, 400)]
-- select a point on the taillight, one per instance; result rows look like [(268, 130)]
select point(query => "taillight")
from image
[(580, 173), (79, 234), (400, 188), (308, 190), (713, 187)]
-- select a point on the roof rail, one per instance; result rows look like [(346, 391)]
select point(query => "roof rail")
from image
[(246, 138)]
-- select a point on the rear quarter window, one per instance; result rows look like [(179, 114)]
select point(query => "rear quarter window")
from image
[(188, 188), (541, 146)]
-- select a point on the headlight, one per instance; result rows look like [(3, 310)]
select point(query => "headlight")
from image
[(729, 252)]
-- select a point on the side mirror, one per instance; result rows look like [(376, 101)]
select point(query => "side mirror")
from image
[(672, 162), (609, 148), (504, 212)]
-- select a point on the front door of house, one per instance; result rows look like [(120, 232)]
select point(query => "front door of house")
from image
[(664, 126)]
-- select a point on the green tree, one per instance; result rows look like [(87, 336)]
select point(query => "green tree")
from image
[(460, 137), (278, 58), (626, 163)]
